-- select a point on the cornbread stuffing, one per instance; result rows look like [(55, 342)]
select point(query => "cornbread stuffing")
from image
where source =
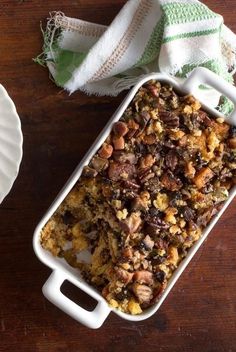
[(156, 182)]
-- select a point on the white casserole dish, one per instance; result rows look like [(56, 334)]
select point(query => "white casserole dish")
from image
[(62, 271)]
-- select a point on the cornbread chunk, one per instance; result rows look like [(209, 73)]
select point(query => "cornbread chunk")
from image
[(146, 196)]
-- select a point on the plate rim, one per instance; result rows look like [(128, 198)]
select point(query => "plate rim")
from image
[(18, 158)]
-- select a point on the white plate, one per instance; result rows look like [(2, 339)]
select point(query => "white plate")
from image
[(10, 143)]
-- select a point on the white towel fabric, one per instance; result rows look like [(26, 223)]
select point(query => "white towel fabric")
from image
[(171, 36)]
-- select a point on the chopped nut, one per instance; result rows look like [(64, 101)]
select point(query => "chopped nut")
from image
[(105, 151), (118, 142), (142, 118)]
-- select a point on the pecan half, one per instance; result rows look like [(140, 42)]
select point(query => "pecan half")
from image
[(171, 160), (145, 175), (143, 293), (170, 119)]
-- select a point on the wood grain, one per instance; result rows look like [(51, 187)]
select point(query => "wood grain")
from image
[(200, 312)]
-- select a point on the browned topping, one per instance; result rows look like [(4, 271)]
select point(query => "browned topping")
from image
[(140, 207), (106, 151)]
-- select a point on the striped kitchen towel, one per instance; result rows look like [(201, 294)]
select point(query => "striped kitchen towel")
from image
[(171, 36)]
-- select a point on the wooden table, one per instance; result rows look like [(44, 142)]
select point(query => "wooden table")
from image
[(200, 312)]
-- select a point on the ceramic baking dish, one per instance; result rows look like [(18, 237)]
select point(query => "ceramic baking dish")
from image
[(61, 271)]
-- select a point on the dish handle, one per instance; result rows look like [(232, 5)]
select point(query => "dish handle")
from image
[(202, 75), (92, 319)]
